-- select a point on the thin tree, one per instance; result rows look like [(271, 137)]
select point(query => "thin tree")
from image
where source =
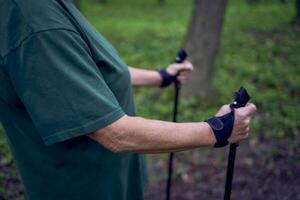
[(202, 43), (296, 20), (298, 9)]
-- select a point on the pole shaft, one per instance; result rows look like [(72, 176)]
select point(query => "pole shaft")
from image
[(230, 168), (170, 166), (181, 56), (176, 101), (170, 171)]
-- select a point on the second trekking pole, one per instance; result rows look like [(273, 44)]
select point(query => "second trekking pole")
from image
[(181, 56)]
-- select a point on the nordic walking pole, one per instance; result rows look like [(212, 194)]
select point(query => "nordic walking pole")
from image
[(241, 98), (181, 56)]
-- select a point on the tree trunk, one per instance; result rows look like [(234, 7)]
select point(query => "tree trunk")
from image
[(296, 19), (298, 9), (202, 44)]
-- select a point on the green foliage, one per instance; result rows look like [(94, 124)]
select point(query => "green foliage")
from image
[(5, 159), (4, 149), (141, 29)]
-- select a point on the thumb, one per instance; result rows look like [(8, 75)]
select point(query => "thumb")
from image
[(249, 109), (223, 110)]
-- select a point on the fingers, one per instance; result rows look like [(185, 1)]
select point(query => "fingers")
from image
[(244, 112), (184, 73), (247, 110), (185, 66), (182, 70), (252, 108), (242, 122), (181, 67), (223, 110), (239, 134), (183, 77)]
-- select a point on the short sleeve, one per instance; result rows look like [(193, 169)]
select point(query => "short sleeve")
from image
[(60, 86)]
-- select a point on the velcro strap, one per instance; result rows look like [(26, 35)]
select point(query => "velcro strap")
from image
[(167, 78), (222, 127)]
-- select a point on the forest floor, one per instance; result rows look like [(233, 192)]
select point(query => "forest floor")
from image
[(257, 175), (200, 174)]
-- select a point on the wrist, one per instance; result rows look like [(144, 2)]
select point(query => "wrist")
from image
[(222, 128), (211, 136), (171, 71), (166, 78)]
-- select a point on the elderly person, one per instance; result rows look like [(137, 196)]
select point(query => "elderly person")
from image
[(67, 107)]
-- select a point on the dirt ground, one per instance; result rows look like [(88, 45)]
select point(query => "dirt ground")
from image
[(260, 173), (269, 170)]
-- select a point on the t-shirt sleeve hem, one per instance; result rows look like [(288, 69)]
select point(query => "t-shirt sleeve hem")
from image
[(88, 127)]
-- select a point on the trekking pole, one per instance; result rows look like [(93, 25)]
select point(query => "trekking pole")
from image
[(240, 99), (181, 56)]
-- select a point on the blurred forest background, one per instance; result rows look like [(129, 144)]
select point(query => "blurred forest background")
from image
[(254, 43)]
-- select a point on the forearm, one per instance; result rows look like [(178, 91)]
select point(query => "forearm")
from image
[(143, 77), (136, 134)]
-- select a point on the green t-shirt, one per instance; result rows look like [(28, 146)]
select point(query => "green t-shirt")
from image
[(60, 80)]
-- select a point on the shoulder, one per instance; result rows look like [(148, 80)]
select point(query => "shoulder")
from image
[(25, 17), (45, 14)]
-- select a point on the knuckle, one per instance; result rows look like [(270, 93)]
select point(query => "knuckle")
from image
[(247, 121), (224, 107), (248, 129), (253, 106), (244, 122), (245, 133), (238, 112), (176, 66), (243, 115)]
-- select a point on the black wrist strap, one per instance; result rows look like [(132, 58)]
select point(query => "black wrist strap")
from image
[(167, 78), (222, 127)]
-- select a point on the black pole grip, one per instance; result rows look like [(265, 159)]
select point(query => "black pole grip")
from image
[(181, 56), (241, 98)]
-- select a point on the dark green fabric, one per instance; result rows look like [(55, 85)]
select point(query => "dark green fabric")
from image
[(60, 80)]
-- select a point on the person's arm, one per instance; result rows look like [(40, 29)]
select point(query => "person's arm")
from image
[(144, 77), (136, 134)]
